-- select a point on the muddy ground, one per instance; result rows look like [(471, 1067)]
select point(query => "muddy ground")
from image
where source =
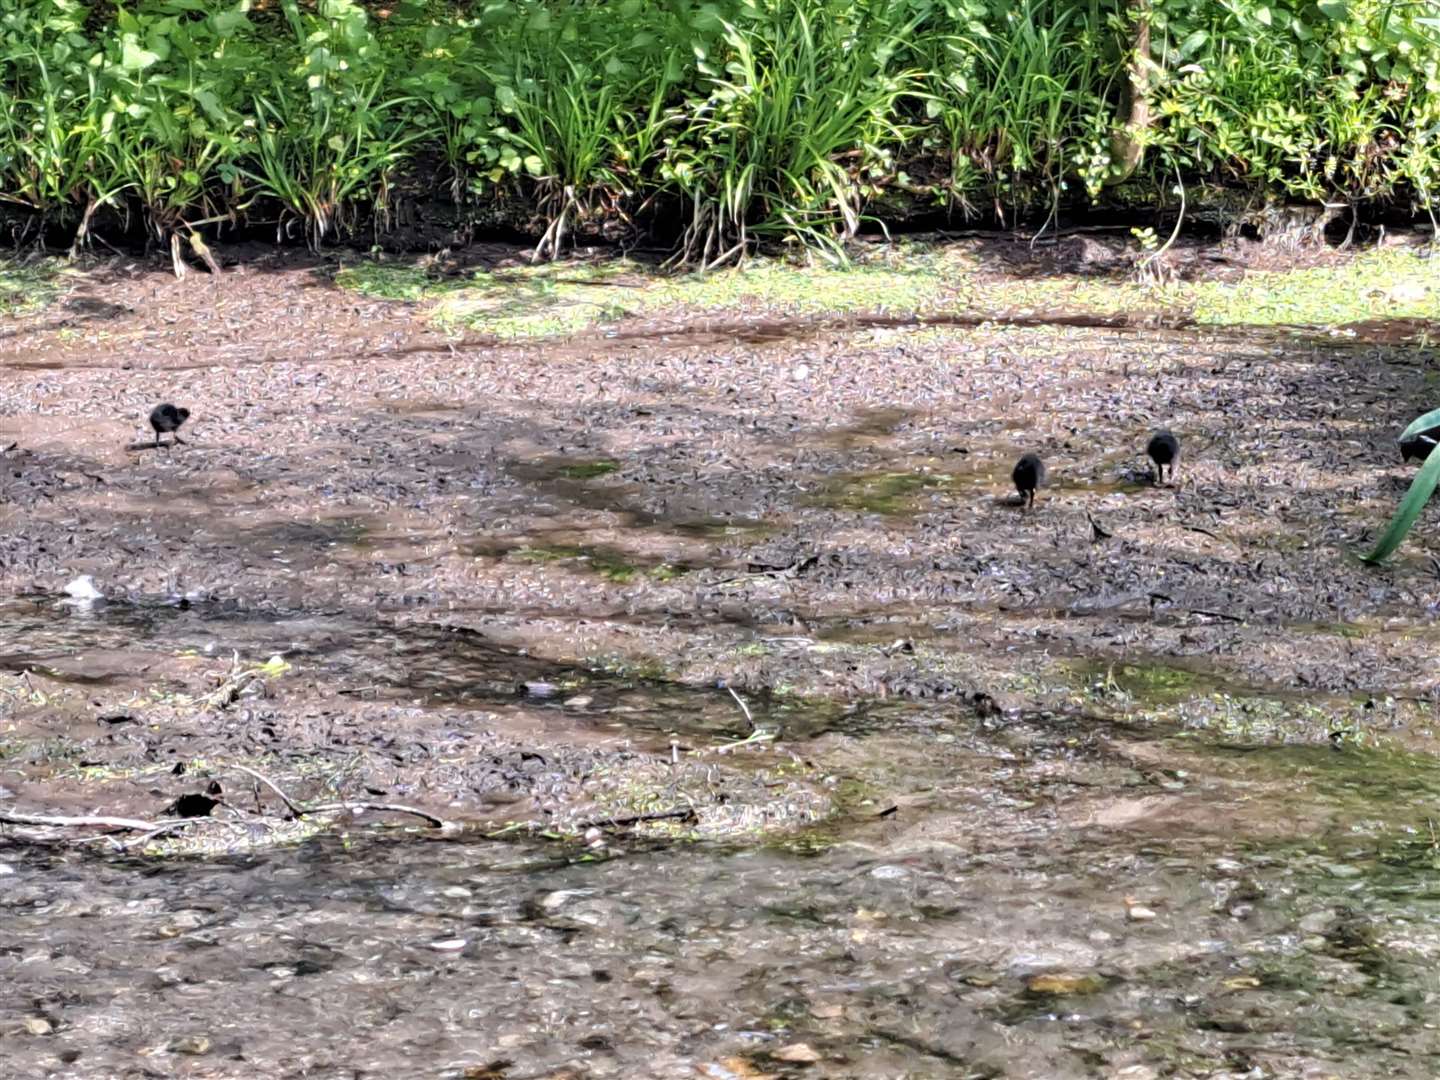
[(513, 585)]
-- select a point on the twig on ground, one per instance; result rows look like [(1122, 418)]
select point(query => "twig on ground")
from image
[(743, 707), (290, 804), (1222, 615), (392, 808), (11, 817), (301, 809), (685, 813)]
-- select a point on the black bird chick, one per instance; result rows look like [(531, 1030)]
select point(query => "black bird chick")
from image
[(1164, 449), (1028, 475), (167, 417), (1419, 446)]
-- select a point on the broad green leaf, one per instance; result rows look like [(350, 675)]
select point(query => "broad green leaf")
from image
[(1339, 10), (1415, 499), (1421, 423), (133, 57)]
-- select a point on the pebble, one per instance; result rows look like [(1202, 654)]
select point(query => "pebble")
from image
[(798, 1053), (6, 868), (558, 899), (1227, 866), (1064, 983), (38, 1025), (449, 944), (800, 372), (889, 873), (191, 1044), (1342, 870), (579, 701), (1140, 913)]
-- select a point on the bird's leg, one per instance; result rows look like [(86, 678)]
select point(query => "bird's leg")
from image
[(157, 440), (178, 439)]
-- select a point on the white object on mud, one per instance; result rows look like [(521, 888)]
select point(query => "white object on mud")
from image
[(83, 590)]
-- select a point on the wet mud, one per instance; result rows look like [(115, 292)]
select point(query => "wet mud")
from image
[(776, 738)]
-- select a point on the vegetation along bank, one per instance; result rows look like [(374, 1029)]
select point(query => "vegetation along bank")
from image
[(703, 129)]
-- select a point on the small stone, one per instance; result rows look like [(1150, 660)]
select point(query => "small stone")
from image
[(38, 1025), (1317, 922), (1135, 1072), (1242, 911), (1139, 913), (800, 372), (1064, 983), (6, 868), (594, 838), (540, 689), (797, 1053), (191, 1044), (1342, 870), (1227, 866), (889, 873), (579, 701), (556, 900), (827, 1012), (449, 944)]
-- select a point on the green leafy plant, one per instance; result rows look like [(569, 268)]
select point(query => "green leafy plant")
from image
[(1421, 488)]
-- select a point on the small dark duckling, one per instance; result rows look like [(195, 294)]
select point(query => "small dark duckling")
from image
[(1419, 446), (1028, 475), (167, 417), (1164, 449)]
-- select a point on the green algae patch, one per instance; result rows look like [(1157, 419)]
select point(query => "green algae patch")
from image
[(588, 470), (888, 493), (29, 286)]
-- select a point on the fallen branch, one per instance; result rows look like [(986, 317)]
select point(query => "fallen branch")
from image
[(10, 817), (392, 808), (301, 809), (686, 814), (290, 804)]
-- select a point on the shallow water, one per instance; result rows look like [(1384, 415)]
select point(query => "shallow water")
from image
[(884, 955)]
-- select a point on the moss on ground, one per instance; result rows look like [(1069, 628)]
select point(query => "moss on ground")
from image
[(28, 286), (565, 298)]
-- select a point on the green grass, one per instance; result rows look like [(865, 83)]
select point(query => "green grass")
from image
[(28, 286), (557, 299), (1375, 285), (560, 299)]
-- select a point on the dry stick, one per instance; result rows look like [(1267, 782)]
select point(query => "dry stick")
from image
[(394, 808), (743, 707), (9, 817), (618, 823), (300, 810), (290, 803)]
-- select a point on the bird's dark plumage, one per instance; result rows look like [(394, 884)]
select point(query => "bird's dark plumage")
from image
[(1419, 446), (1028, 475), (167, 417), (1164, 450)]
